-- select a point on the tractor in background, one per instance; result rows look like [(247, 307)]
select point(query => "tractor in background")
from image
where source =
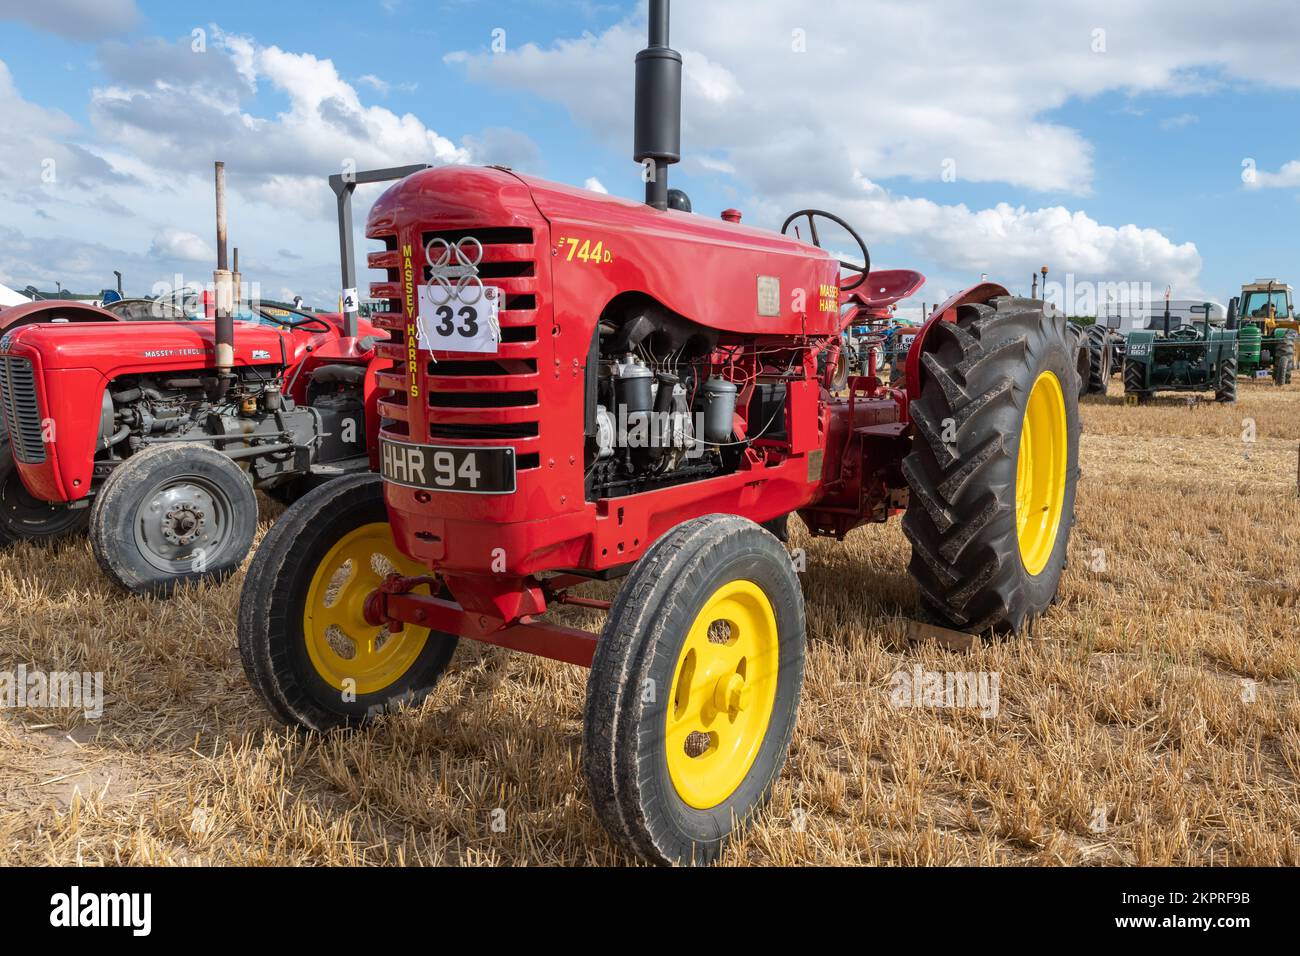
[(589, 388), (150, 428), (1182, 358), (1268, 330)]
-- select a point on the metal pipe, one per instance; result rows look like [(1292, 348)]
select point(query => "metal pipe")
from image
[(224, 326), (221, 214), (659, 10), (343, 185), (657, 124)]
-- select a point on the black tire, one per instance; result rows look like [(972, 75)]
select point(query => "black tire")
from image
[(1284, 361), (24, 517), (1135, 381), (625, 756), (173, 514), (1082, 361), (779, 527), (290, 491), (962, 517), (1226, 388), (273, 641), (1099, 359)]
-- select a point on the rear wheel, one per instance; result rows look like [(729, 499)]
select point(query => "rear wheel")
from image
[(1226, 388), (1284, 361), (1099, 359), (694, 690), (306, 646), (24, 517), (173, 514), (993, 466)]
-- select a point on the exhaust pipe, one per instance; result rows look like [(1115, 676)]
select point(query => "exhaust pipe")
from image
[(222, 280), (658, 124)]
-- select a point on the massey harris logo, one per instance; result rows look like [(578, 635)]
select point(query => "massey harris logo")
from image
[(6, 341), (412, 331)]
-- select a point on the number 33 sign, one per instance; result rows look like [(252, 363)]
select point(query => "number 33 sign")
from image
[(449, 324)]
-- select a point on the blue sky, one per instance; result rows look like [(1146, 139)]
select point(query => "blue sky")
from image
[(1118, 163)]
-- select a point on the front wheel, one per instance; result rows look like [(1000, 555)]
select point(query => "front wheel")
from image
[(173, 514), (306, 646), (694, 690), (23, 517), (993, 466)]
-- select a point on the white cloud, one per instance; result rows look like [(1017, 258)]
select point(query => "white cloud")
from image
[(1285, 178), (595, 185), (945, 87), (173, 243), (159, 117), (375, 83), (74, 19), (1179, 122), (180, 120)]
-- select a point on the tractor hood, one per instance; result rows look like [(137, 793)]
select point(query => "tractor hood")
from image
[(132, 347), (591, 247)]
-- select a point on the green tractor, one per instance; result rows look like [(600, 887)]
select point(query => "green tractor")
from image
[(1269, 327), (1187, 358)]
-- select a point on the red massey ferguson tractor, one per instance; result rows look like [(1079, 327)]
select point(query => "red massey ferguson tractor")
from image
[(512, 474), (141, 433)]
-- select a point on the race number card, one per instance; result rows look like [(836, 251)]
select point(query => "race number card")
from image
[(448, 323)]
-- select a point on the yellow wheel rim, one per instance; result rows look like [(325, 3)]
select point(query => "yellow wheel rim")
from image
[(1040, 472), (348, 653), (724, 688)]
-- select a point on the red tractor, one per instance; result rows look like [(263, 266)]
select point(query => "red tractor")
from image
[(154, 434), (515, 467)]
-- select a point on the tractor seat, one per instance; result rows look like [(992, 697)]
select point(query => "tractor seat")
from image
[(885, 287)]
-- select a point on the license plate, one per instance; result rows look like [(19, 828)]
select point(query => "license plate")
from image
[(475, 471), (464, 319)]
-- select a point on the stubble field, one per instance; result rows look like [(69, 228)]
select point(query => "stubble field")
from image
[(1151, 718)]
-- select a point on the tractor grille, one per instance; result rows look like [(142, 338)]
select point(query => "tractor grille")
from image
[(22, 416), (479, 399)]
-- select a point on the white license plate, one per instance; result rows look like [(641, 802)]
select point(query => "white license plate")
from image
[(460, 320)]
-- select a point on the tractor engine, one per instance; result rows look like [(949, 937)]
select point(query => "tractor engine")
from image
[(253, 417), (661, 416)]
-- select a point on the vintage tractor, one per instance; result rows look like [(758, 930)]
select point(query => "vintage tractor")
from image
[(1189, 358), (153, 434), (591, 388), (1268, 330)]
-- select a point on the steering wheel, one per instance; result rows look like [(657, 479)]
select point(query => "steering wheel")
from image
[(812, 215), (297, 320)]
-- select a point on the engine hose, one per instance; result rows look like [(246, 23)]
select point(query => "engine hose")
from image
[(116, 437)]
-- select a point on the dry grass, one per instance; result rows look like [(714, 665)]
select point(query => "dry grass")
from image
[(1127, 703)]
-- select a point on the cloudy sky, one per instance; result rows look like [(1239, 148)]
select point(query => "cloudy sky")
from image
[(1114, 141)]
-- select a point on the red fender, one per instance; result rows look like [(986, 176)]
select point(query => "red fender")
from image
[(979, 294)]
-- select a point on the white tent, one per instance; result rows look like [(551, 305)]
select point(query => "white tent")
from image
[(9, 297)]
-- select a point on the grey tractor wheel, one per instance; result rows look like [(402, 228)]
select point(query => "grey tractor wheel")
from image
[(694, 690), (170, 515), (24, 517), (993, 466)]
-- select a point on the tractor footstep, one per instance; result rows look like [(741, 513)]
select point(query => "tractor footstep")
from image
[(918, 632)]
